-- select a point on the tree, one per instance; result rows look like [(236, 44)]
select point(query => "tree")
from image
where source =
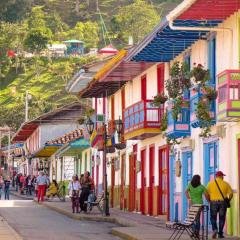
[(37, 39), (14, 10), (136, 20), (88, 32)]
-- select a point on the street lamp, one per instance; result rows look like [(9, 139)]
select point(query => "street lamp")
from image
[(90, 126), (119, 126)]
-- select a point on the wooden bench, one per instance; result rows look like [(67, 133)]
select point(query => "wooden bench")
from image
[(187, 225)]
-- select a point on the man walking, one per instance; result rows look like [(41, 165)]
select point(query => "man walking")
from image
[(41, 185), (220, 192)]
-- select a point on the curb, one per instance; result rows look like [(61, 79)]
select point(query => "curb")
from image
[(20, 196), (11, 230), (122, 235)]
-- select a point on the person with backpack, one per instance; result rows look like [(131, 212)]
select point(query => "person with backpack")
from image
[(220, 193)]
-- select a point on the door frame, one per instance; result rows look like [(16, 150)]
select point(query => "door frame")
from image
[(160, 149), (151, 179), (132, 182), (143, 179), (112, 182), (122, 188), (185, 180), (172, 189)]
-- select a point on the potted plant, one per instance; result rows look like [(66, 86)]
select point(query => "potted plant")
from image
[(159, 99), (200, 75), (164, 122), (211, 94)]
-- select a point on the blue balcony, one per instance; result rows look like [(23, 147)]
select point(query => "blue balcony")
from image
[(180, 127), (196, 93)]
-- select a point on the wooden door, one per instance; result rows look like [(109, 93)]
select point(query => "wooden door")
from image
[(122, 189), (163, 200), (112, 185), (143, 181), (144, 87), (151, 180), (187, 173), (132, 182)]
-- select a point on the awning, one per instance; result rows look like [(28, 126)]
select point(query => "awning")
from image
[(73, 148), (112, 76), (164, 44), (47, 151)]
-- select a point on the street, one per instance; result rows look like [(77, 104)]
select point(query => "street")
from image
[(36, 222)]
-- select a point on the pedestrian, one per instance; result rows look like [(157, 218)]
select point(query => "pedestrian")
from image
[(17, 181), (7, 184), (21, 185), (194, 193), (41, 185), (86, 186), (52, 190), (1, 186), (74, 189), (29, 185), (220, 193)]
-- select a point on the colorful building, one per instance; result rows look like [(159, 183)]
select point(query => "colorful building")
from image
[(147, 174)]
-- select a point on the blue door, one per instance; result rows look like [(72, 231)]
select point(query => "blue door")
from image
[(187, 172), (210, 161), (173, 206)]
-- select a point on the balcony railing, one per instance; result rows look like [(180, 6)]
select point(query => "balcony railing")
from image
[(196, 93), (229, 96), (179, 127), (142, 120)]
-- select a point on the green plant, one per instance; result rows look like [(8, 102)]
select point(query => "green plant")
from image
[(81, 120), (200, 75), (179, 80), (164, 122), (90, 112), (203, 115), (159, 99), (177, 106), (211, 93)]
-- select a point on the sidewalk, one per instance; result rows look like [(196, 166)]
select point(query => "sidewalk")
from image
[(132, 226), (17, 194), (6, 232)]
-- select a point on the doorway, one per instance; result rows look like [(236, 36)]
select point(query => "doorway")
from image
[(112, 182), (143, 181), (187, 172), (151, 179), (122, 188), (163, 199)]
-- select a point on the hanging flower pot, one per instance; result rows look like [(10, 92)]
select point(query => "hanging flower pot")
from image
[(159, 99), (211, 93), (200, 74)]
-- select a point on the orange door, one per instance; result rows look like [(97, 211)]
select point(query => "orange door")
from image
[(143, 181), (151, 180), (132, 182), (112, 184), (163, 200), (122, 195)]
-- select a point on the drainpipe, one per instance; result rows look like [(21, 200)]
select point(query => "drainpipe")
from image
[(210, 29)]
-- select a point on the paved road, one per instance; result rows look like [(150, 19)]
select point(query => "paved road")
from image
[(36, 222)]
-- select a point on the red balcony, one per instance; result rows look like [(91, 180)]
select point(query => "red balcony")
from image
[(142, 120)]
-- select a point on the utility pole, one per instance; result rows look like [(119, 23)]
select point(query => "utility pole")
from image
[(26, 106)]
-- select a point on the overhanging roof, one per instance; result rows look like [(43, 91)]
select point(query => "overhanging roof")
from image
[(164, 44), (112, 76), (73, 148), (66, 114), (47, 151)]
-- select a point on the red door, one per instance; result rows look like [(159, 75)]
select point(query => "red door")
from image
[(132, 178), (239, 165), (143, 181), (112, 184), (163, 200), (151, 180), (122, 195), (144, 87)]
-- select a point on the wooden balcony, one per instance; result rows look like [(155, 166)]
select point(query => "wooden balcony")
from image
[(142, 120), (179, 127), (196, 93), (228, 96)]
